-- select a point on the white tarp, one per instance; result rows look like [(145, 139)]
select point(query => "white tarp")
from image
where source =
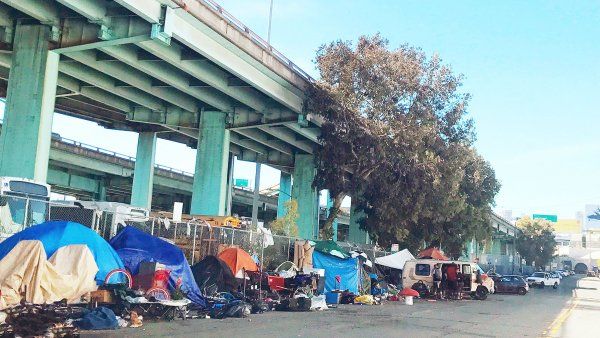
[(395, 260), (68, 274)]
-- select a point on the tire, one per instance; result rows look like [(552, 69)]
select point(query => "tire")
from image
[(481, 293), (555, 286), (522, 291), (542, 285)]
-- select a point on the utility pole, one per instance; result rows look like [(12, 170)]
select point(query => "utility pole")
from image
[(270, 19)]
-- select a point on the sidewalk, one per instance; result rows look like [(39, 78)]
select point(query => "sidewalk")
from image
[(580, 315)]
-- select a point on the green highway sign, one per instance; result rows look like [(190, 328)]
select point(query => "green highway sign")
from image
[(551, 218), (241, 182)]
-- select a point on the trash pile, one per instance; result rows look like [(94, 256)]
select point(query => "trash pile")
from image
[(61, 277)]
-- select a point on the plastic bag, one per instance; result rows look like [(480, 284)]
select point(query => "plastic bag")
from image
[(364, 299), (318, 303)]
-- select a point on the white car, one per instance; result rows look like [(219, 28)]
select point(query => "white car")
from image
[(543, 279)]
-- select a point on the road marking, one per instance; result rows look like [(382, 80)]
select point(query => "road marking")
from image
[(556, 325)]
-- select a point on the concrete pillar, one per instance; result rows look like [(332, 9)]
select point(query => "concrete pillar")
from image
[(229, 196), (256, 196), (143, 175), (335, 222), (285, 193), (27, 129), (355, 234), (306, 196), (209, 192)]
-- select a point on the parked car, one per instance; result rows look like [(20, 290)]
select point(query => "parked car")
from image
[(556, 274), (511, 284), (543, 279), (563, 273), (571, 273)]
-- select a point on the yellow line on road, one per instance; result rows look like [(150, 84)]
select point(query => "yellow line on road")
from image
[(556, 325)]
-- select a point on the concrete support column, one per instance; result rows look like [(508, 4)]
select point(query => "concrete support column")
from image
[(306, 196), (335, 222), (27, 129), (355, 234), (143, 175), (229, 196), (285, 193), (210, 178), (256, 196)]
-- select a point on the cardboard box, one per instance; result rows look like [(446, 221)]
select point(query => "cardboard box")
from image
[(102, 296)]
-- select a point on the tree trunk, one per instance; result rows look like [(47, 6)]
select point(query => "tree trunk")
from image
[(327, 230)]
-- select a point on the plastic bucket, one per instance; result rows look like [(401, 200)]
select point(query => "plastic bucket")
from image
[(408, 300), (332, 297)]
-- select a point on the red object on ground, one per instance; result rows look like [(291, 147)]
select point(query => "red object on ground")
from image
[(433, 253), (276, 283), (409, 292)]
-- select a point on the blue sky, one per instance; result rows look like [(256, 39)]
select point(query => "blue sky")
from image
[(532, 68)]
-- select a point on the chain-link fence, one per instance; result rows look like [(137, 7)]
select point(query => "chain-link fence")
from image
[(196, 238)]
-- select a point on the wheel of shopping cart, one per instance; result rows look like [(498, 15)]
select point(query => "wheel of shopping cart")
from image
[(159, 294)]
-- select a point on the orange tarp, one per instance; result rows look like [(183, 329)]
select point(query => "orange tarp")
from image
[(238, 259), (433, 253)]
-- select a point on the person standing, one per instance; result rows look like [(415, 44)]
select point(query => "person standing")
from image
[(437, 280)]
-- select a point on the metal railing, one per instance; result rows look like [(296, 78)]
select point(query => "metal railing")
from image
[(239, 26)]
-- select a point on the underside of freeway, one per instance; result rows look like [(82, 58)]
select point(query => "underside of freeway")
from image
[(185, 71)]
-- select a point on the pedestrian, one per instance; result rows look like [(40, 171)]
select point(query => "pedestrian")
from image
[(444, 283), (437, 280), (452, 279)]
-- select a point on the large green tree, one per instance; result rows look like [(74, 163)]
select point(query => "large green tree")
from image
[(536, 243), (396, 138)]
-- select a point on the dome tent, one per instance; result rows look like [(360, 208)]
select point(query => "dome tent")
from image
[(135, 246), (57, 234)]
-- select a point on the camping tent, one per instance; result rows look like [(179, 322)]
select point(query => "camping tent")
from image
[(238, 259), (135, 246), (331, 248), (25, 272), (433, 253), (213, 275), (395, 260), (57, 234), (348, 269)]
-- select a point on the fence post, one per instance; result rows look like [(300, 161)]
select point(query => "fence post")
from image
[(262, 257), (26, 216), (152, 229), (232, 235), (175, 232), (194, 243)]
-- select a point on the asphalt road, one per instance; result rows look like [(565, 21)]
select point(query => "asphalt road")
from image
[(541, 312)]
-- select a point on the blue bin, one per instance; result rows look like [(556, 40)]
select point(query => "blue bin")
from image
[(332, 297)]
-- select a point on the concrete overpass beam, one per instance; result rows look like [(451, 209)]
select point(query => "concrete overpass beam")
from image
[(306, 196), (209, 193), (285, 193), (143, 175), (26, 135)]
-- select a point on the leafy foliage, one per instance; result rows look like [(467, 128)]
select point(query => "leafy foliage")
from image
[(397, 139), (287, 225), (536, 243)]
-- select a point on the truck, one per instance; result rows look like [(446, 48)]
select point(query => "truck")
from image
[(23, 202)]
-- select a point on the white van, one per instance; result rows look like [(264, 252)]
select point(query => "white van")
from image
[(421, 270)]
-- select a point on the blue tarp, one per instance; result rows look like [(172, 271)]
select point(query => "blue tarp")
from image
[(347, 269), (56, 234), (135, 246)]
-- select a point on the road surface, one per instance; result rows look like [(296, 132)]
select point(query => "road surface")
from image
[(568, 311)]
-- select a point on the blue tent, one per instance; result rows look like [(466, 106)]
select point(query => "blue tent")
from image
[(347, 269), (56, 234), (135, 246)]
